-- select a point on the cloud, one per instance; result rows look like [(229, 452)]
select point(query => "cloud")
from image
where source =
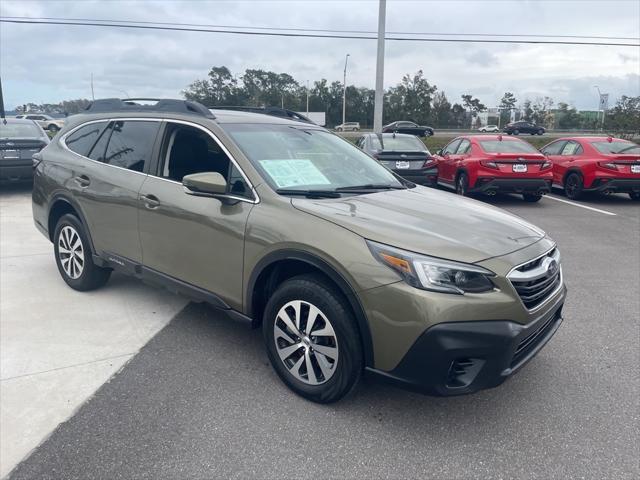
[(49, 63)]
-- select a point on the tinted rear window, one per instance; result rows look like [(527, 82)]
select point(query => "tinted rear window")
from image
[(398, 144), (83, 139), (506, 146), (130, 144), (614, 147), (19, 130)]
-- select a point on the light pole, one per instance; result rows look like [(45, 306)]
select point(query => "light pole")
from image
[(344, 89), (379, 95), (598, 109), (307, 98)]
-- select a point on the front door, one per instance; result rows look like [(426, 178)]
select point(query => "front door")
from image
[(193, 239)]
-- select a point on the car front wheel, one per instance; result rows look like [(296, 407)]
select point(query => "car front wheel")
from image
[(312, 340), (462, 184), (540, 132), (634, 195), (73, 256), (516, 132)]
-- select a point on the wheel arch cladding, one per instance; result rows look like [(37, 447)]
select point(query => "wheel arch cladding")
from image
[(60, 206), (281, 265)]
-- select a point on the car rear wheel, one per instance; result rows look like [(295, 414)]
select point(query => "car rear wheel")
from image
[(531, 197), (73, 256), (338, 129), (53, 128), (516, 131), (312, 340), (462, 184), (573, 186), (634, 195), (540, 132)]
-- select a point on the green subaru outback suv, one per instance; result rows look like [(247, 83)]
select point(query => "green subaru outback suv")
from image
[(347, 267)]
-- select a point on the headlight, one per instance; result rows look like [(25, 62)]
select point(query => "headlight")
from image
[(429, 273)]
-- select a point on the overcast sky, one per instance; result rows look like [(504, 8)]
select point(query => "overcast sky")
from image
[(41, 63)]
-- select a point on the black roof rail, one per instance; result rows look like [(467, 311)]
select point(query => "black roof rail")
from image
[(162, 105), (273, 111)]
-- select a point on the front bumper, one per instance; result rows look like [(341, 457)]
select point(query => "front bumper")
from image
[(615, 185), (512, 185), (458, 358), (18, 171)]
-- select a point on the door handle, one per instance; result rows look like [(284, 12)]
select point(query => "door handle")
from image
[(82, 180), (150, 201)]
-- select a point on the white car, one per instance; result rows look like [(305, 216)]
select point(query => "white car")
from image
[(45, 121), (489, 128)]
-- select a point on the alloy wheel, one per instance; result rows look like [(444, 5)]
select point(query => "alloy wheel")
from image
[(71, 252), (306, 342)]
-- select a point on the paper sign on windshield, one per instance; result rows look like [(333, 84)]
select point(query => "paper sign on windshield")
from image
[(291, 173)]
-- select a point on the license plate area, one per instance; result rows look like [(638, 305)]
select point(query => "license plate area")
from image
[(401, 164), (520, 167), (635, 168), (10, 154)]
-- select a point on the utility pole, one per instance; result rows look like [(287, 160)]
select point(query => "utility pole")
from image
[(598, 109), (344, 89), (307, 98), (379, 96), (93, 97)]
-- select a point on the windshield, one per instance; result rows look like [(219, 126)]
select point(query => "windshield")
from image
[(616, 146), (506, 146), (397, 144), (307, 159), (19, 130)]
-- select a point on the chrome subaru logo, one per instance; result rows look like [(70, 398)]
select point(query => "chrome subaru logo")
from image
[(552, 268)]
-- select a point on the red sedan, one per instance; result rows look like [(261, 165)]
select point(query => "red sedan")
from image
[(493, 163), (596, 164)]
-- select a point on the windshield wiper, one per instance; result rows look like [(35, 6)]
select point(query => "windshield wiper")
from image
[(369, 186), (309, 193)]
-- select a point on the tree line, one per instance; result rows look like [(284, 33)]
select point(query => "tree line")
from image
[(413, 98)]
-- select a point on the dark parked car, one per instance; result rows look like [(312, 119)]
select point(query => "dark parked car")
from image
[(406, 155), (517, 128), (19, 140), (410, 128)]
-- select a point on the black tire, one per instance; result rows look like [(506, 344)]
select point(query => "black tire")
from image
[(89, 276), (531, 197), (634, 195), (347, 369), (573, 186), (53, 128), (540, 132), (516, 132), (338, 129), (462, 184)]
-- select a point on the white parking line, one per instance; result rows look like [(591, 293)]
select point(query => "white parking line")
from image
[(578, 205)]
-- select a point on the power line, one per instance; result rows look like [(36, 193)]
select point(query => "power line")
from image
[(290, 29), (27, 20)]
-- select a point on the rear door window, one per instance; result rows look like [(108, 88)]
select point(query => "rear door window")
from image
[(451, 148), (131, 144), (571, 148), (554, 149), (83, 138), (464, 147)]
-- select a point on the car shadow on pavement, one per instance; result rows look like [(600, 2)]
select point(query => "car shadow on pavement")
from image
[(203, 393)]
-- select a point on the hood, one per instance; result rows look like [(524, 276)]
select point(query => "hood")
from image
[(428, 221)]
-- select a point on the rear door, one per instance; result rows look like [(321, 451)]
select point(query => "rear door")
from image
[(552, 152), (106, 185)]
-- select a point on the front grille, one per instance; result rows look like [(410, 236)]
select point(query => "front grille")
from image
[(533, 339), (536, 280)]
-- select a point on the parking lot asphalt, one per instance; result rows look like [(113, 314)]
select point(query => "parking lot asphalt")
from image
[(200, 400)]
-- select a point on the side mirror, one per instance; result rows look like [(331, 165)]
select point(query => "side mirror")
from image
[(209, 184)]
